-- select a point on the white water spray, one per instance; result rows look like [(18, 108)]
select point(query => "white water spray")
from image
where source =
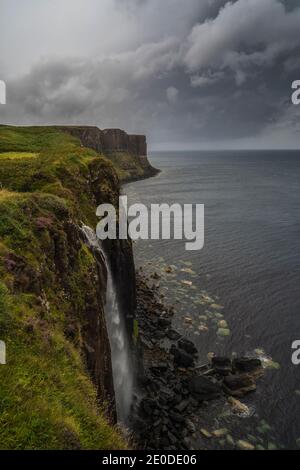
[(120, 353)]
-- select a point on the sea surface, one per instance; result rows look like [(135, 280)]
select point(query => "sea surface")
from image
[(247, 276)]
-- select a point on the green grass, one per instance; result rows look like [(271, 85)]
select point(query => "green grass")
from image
[(17, 155), (48, 183)]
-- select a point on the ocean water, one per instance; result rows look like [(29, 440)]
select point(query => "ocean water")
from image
[(247, 275)]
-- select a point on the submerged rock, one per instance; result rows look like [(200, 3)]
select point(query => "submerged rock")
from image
[(223, 332), (205, 433), (244, 445), (238, 407), (239, 385), (220, 432)]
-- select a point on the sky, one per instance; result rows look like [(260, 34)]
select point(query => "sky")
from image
[(190, 74)]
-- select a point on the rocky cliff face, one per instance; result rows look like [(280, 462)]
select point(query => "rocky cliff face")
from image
[(109, 140), (128, 152)]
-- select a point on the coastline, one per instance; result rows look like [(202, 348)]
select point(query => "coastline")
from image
[(177, 401)]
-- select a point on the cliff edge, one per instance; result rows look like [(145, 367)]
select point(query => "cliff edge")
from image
[(127, 152)]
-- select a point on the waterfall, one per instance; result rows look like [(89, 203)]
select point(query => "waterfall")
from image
[(120, 351)]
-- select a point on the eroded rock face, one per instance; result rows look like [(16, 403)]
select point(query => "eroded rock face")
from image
[(109, 140)]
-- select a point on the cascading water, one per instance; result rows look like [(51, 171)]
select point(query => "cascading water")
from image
[(120, 352)]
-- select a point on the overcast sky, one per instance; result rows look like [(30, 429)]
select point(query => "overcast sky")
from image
[(188, 73)]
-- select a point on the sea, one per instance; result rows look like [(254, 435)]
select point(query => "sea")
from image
[(240, 294)]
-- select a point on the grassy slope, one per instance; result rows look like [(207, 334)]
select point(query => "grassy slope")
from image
[(129, 167), (47, 400)]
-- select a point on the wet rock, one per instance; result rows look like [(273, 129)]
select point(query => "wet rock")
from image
[(187, 346), (155, 276), (239, 385), (146, 342), (244, 445), (246, 364), (264, 427), (220, 432), (203, 389), (259, 447), (176, 417), (229, 440), (168, 270), (222, 365), (182, 358), (172, 438), (190, 426), (223, 332), (223, 324), (188, 320), (160, 367), (159, 334), (182, 406), (173, 335), (163, 322), (203, 328), (238, 407), (205, 433)]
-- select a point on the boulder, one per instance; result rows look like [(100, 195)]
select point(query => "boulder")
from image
[(163, 322), (239, 385), (238, 407), (244, 445), (203, 389), (182, 358), (246, 364), (187, 346), (176, 417), (222, 365), (173, 335)]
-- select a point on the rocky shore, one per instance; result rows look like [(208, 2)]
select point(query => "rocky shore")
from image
[(173, 390)]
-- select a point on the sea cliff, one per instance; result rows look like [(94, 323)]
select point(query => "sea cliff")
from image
[(127, 152), (57, 389)]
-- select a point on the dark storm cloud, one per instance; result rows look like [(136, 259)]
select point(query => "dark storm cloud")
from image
[(211, 73)]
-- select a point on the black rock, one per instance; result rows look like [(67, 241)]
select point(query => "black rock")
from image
[(173, 335), (222, 365), (161, 367), (187, 346), (163, 322), (182, 405), (182, 358), (176, 417), (203, 389), (172, 438), (190, 426), (239, 385), (159, 334), (149, 406), (246, 364)]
